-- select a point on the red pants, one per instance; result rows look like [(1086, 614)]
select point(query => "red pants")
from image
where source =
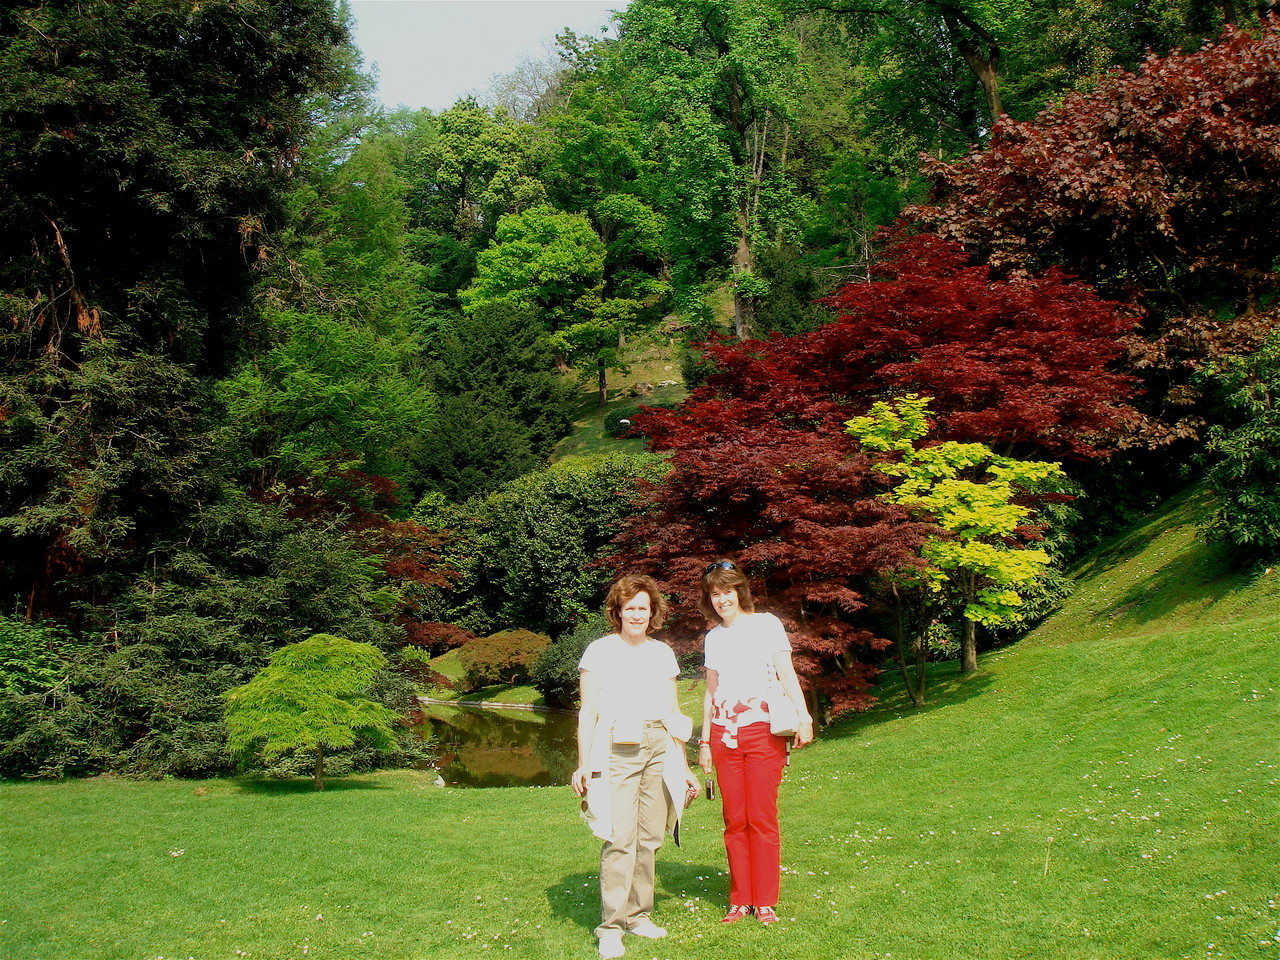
[(748, 779)]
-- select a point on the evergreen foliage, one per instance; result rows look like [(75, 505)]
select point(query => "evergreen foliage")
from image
[(144, 148), (502, 407), (312, 697), (1244, 461)]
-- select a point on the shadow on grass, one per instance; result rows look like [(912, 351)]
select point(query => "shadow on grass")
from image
[(288, 788), (945, 687), (1199, 574), (576, 897), (1203, 578)]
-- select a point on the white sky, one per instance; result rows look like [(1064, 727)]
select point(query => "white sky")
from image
[(431, 52)]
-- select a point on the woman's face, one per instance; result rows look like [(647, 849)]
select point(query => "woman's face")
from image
[(724, 600), (635, 615)]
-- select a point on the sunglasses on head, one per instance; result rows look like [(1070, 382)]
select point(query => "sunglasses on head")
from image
[(720, 565)]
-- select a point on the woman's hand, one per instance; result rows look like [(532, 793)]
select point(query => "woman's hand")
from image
[(579, 780), (804, 734), (704, 757)]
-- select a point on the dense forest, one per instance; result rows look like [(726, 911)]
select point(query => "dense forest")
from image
[(956, 287)]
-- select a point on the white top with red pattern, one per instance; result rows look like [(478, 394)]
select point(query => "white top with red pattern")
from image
[(742, 657)]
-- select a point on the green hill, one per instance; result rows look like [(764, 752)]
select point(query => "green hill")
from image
[(1105, 789)]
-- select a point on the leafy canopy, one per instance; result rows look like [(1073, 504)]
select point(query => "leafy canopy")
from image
[(976, 496), (312, 697)]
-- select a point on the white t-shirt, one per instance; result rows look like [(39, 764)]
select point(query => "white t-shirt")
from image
[(742, 655), (635, 681)]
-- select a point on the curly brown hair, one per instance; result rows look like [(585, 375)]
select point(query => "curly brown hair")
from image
[(628, 586)]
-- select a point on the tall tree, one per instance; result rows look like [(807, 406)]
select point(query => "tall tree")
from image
[(503, 407), (143, 148), (714, 82), (472, 166), (1155, 185), (335, 381)]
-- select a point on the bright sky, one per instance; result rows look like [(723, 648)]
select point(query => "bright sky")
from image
[(431, 52)]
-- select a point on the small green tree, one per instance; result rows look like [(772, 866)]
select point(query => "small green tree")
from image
[(311, 697), (979, 499), (1244, 467)]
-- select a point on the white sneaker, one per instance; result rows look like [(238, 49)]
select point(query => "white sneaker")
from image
[(610, 946), (648, 929)]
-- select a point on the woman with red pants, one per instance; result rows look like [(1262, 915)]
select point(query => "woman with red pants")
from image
[(748, 659)]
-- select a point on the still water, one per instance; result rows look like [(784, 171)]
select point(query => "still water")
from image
[(478, 747)]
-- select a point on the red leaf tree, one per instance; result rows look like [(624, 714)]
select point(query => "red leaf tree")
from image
[(763, 471), (1158, 185)]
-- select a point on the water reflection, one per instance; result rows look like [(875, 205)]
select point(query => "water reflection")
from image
[(479, 747)]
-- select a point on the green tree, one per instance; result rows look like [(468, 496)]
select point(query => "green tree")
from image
[(551, 264), (714, 84), (312, 697), (466, 168), (978, 498), (336, 380), (144, 148), (1244, 468)]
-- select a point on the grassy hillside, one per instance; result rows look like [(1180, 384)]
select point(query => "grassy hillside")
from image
[(1105, 789), (653, 361)]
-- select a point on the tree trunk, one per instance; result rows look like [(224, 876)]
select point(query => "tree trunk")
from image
[(969, 36), (744, 306), (969, 647), (915, 687), (601, 383), (319, 768)]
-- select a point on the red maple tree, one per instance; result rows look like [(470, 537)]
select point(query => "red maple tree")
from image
[(1158, 185), (763, 471)]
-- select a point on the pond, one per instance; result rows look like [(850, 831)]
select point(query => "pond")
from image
[(478, 747)]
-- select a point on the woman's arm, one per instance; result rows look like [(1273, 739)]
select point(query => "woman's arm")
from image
[(690, 780), (704, 738), (588, 717), (791, 684)]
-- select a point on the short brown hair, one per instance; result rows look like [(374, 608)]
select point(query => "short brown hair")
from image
[(724, 575), (628, 586)]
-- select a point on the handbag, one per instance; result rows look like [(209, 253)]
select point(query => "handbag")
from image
[(784, 718)]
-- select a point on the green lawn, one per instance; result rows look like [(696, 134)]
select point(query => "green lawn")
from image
[(1109, 788)]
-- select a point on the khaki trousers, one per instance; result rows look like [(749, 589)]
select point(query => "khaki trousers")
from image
[(638, 809)]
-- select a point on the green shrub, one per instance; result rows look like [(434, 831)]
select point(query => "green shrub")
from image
[(504, 657), (527, 554), (29, 660), (555, 673), (1244, 468)]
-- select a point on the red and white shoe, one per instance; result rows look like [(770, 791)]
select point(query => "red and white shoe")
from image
[(766, 915), (736, 912)]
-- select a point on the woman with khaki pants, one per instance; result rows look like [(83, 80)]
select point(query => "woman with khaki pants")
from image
[(632, 770)]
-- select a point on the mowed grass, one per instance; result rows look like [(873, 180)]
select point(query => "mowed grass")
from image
[(1105, 789)]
